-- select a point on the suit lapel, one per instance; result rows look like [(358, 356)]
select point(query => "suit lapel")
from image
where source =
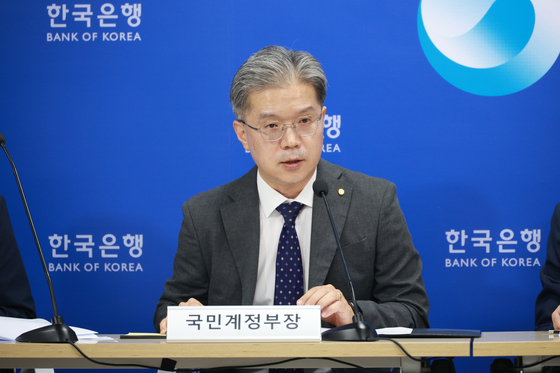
[(323, 243), (242, 227)]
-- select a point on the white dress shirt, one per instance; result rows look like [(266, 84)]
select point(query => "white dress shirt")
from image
[(271, 223)]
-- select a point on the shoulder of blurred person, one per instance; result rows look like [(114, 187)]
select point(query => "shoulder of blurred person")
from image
[(548, 300), (15, 292)]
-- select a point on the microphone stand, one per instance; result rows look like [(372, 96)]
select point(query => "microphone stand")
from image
[(58, 332), (358, 330)]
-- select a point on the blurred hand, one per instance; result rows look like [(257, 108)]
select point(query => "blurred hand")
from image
[(190, 302), (556, 318)]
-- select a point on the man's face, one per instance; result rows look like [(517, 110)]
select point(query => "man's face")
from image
[(287, 164)]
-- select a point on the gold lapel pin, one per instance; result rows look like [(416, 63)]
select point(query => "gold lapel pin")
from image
[(341, 192)]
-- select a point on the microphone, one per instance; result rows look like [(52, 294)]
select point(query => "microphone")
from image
[(58, 332), (358, 330)]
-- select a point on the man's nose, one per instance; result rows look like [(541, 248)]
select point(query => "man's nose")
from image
[(291, 138)]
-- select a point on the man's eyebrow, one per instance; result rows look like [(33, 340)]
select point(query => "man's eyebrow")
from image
[(267, 115)]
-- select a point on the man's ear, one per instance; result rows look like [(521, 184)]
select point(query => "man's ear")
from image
[(322, 122), (241, 132)]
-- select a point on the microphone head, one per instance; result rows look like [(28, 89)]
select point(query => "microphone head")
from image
[(320, 186), (2, 139)]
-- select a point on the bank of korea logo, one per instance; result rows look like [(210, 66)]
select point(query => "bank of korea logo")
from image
[(490, 47)]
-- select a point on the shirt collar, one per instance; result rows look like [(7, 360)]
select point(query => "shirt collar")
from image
[(270, 198)]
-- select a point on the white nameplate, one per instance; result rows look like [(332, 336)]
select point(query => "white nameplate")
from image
[(244, 323)]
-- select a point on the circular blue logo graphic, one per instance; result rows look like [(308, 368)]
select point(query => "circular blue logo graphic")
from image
[(490, 47)]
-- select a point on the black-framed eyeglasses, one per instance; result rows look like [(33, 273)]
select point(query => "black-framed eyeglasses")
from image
[(273, 131)]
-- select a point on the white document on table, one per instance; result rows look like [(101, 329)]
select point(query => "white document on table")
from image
[(13, 327)]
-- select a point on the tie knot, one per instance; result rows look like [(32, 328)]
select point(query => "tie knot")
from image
[(289, 211)]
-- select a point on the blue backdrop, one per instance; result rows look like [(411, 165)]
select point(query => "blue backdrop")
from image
[(115, 122)]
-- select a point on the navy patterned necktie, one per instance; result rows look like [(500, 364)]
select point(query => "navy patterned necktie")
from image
[(289, 268)]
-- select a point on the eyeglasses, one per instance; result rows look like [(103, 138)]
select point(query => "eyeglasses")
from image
[(273, 131)]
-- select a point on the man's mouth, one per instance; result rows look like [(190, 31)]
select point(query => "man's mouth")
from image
[(292, 162)]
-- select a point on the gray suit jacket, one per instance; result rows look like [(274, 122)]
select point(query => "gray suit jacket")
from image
[(217, 257)]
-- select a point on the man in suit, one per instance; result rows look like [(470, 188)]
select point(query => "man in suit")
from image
[(229, 239), (547, 308), (15, 292)]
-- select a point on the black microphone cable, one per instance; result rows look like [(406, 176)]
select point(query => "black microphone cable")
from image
[(169, 364)]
